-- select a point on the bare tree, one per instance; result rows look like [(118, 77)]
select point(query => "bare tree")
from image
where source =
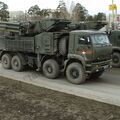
[(79, 13), (4, 13), (61, 11), (36, 13)]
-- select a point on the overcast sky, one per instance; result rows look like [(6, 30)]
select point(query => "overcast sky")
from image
[(93, 6)]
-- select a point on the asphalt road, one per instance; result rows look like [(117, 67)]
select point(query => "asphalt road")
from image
[(105, 89)]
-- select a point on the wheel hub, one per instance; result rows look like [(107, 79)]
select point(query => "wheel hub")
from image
[(74, 73), (49, 69), (115, 59), (5, 61), (15, 63)]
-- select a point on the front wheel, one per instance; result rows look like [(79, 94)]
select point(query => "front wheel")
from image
[(51, 69), (116, 59), (75, 73)]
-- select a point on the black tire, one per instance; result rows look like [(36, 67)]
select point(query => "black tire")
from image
[(96, 75), (116, 59), (63, 46), (51, 69), (6, 61), (75, 73), (17, 63)]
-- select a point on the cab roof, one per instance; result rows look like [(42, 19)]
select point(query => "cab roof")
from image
[(86, 32)]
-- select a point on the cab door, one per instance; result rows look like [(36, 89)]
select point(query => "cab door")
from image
[(83, 46)]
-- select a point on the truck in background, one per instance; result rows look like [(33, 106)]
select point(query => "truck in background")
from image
[(53, 48), (114, 37)]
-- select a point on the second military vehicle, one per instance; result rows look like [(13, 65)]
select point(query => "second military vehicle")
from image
[(114, 37), (51, 47)]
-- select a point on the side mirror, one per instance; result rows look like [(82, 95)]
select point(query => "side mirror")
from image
[(108, 32), (88, 41)]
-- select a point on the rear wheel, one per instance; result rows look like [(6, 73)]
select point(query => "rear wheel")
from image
[(116, 59), (51, 69), (17, 63), (75, 73), (6, 61)]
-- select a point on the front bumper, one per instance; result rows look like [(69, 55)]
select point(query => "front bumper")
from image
[(98, 66)]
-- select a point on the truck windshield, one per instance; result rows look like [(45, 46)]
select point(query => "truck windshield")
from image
[(99, 39)]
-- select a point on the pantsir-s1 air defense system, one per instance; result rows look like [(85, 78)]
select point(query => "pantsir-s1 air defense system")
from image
[(51, 47)]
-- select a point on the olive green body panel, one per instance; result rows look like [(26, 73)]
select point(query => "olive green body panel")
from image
[(102, 53), (71, 46), (2, 43), (75, 47), (45, 43), (23, 44), (77, 57), (115, 38)]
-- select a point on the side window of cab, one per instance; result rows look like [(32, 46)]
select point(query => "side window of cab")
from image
[(83, 40)]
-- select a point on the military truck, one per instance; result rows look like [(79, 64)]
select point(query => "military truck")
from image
[(114, 37), (50, 46)]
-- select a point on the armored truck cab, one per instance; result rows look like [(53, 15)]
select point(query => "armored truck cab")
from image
[(92, 49), (80, 54)]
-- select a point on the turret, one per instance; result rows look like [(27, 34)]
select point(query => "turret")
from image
[(35, 27)]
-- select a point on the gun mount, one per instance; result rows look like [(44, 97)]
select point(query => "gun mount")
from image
[(35, 27)]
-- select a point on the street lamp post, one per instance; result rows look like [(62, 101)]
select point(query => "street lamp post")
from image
[(113, 15)]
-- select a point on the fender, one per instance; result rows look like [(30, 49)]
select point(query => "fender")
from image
[(115, 48), (76, 57), (2, 52), (22, 57)]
